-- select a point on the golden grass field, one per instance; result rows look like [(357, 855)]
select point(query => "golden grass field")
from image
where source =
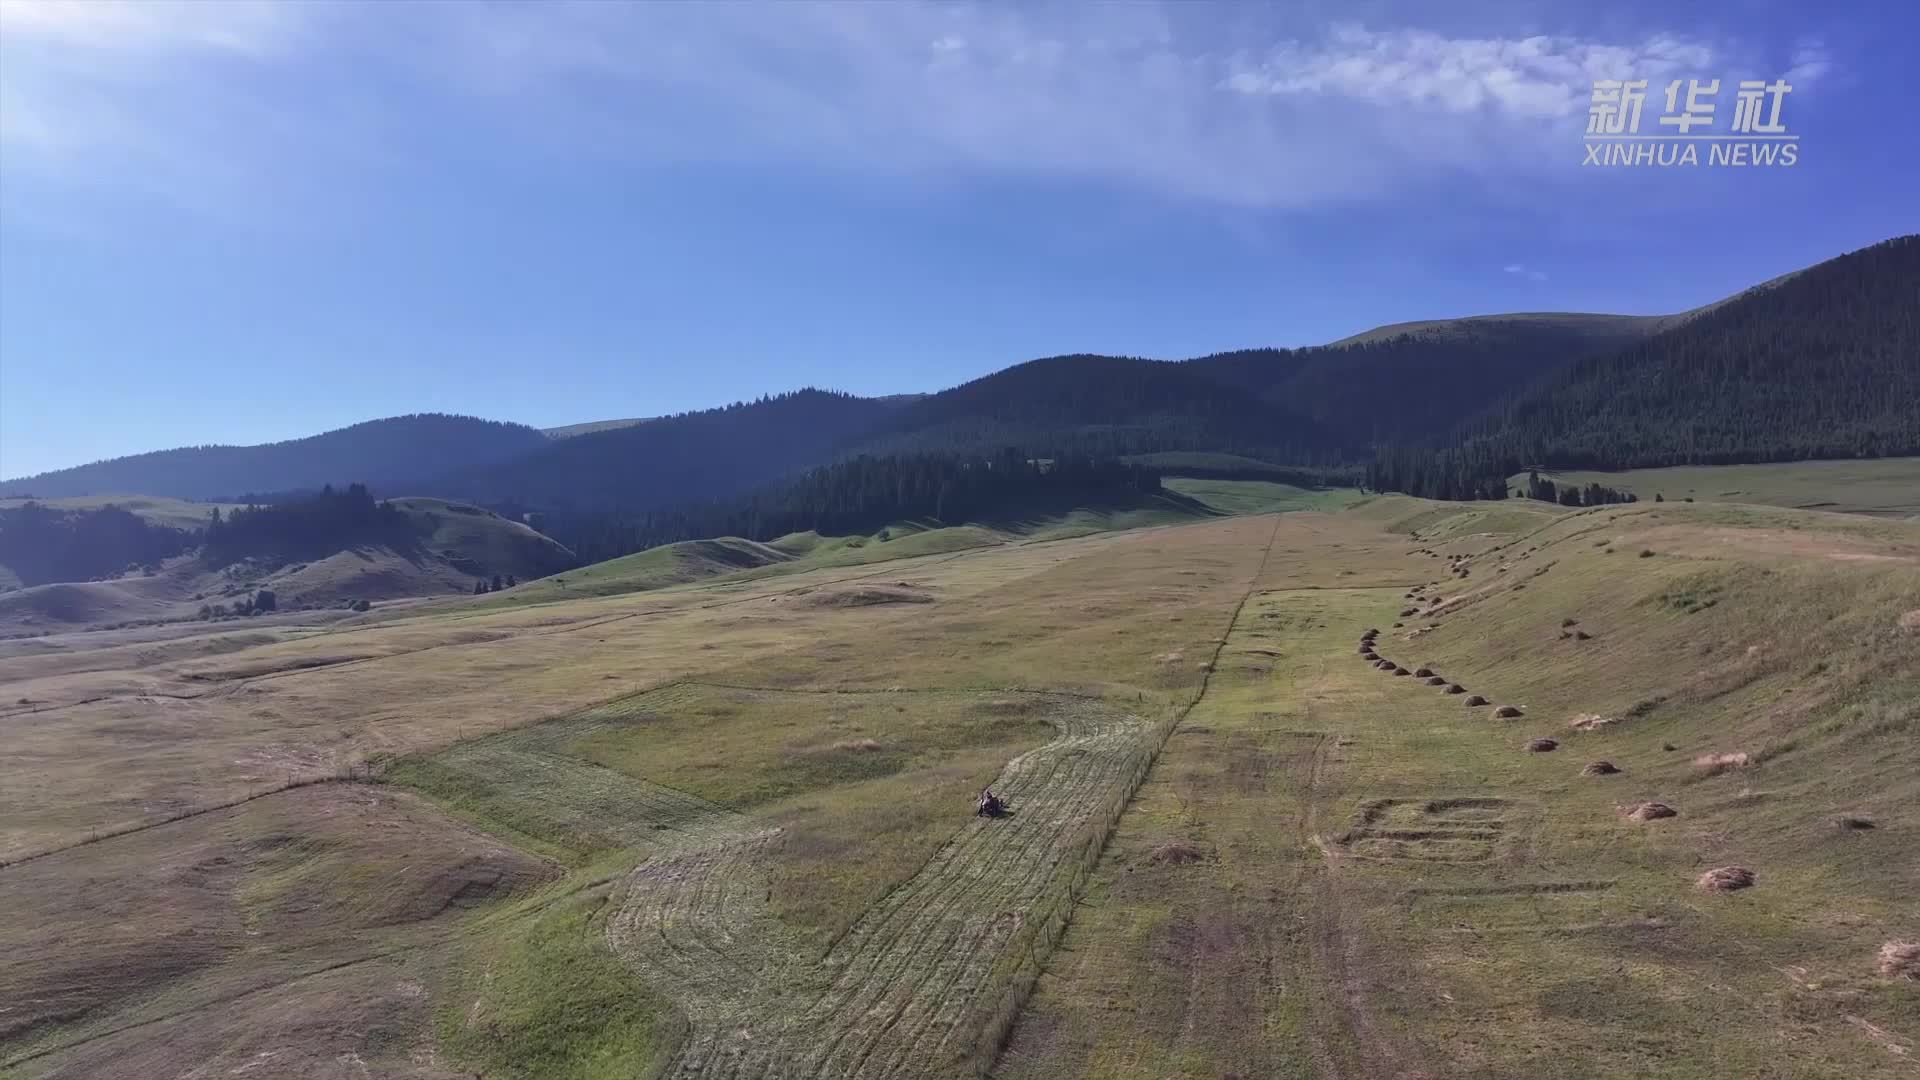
[(723, 828)]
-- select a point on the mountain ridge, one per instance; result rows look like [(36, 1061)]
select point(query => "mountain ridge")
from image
[(1424, 383)]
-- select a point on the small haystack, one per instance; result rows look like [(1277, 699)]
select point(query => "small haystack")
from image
[(1178, 852), (1900, 960), (1423, 672), (1647, 811), (1542, 746), (1599, 768), (1436, 681), (1850, 823), (1404, 612), (1476, 701), (1726, 879), (1456, 688), (1507, 712), (1715, 764)]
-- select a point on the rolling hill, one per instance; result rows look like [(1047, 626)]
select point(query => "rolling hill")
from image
[(674, 459), (1816, 363), (386, 454), (434, 547), (1823, 363)]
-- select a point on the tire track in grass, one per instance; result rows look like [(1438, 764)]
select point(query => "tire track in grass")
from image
[(695, 921), (890, 996)]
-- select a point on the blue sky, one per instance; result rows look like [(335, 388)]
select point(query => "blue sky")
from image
[(232, 222)]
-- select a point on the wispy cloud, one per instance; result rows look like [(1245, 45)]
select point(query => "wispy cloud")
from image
[(1525, 271), (1164, 99), (1538, 77), (1811, 62)]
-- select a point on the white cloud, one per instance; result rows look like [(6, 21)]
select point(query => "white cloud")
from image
[(1811, 62), (251, 27), (1539, 77), (1522, 270), (1166, 99)]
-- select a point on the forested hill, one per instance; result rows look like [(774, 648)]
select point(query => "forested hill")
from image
[(1418, 381), (673, 459), (1823, 364), (1104, 406), (860, 495), (386, 454)]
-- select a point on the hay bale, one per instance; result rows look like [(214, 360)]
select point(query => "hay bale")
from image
[(1177, 852), (1542, 746), (1900, 960), (1599, 768), (1647, 811), (1715, 764), (1436, 681), (1424, 672), (1726, 879), (1456, 688), (1401, 671), (1476, 701)]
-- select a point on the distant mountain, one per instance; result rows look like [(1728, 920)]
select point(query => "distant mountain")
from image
[(384, 454), (1821, 363), (1102, 406), (671, 460), (1414, 381), (1816, 362)]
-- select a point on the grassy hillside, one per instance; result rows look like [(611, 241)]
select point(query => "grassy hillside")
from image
[(729, 559), (159, 510), (721, 831), (448, 547), (1883, 487), (1445, 901)]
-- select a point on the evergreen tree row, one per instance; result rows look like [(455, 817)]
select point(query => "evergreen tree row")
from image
[(318, 524), (41, 544), (859, 495)]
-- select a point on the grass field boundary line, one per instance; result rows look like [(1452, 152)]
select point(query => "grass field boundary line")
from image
[(997, 1029), (345, 777), (1035, 691), (222, 999)]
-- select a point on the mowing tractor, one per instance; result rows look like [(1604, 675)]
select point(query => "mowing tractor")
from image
[(990, 805)]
